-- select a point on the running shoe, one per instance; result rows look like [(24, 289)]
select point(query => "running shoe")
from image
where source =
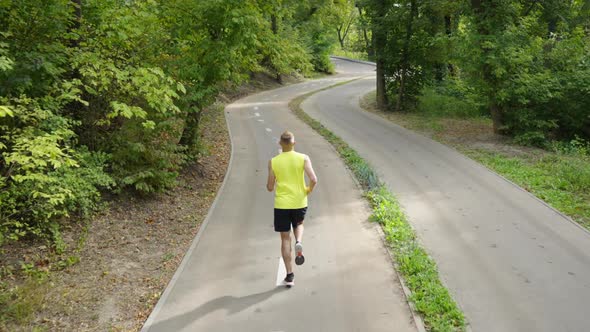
[(289, 280), (299, 259)]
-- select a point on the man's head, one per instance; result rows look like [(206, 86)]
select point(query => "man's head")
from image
[(287, 141)]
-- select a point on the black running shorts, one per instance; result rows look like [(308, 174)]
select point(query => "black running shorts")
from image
[(285, 218)]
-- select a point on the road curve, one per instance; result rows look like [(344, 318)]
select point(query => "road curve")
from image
[(511, 262), (227, 280)]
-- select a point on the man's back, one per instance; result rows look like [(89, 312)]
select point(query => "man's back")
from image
[(288, 168)]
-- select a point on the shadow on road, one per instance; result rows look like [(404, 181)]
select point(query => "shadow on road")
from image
[(232, 304)]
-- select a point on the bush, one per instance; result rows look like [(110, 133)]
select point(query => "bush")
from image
[(148, 160), (576, 147), (45, 178), (543, 88), (48, 182), (450, 99)]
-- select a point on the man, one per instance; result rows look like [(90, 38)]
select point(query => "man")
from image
[(286, 171)]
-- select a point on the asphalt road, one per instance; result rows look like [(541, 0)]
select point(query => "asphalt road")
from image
[(511, 262), (228, 279)]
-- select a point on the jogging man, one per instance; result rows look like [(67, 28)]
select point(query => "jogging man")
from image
[(286, 170)]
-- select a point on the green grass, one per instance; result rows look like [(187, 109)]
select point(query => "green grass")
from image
[(451, 104), (561, 180), (431, 298), (168, 256), (560, 176), (18, 304), (351, 54), (424, 121)]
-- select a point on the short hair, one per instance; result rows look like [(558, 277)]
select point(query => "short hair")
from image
[(287, 138)]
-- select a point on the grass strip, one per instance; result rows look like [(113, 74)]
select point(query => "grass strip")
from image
[(431, 298), (351, 54), (559, 175), (563, 181)]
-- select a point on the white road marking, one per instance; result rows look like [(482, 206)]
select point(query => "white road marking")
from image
[(260, 120), (281, 272), (257, 114), (256, 108), (268, 129)]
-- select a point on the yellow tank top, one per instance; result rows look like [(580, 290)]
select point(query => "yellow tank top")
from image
[(288, 168)]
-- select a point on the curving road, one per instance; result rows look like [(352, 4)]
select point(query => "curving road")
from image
[(511, 262), (227, 280)]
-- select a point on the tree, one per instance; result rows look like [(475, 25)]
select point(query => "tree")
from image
[(107, 95), (378, 10), (345, 15)]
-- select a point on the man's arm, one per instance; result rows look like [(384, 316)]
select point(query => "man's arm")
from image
[(313, 180), (270, 182)]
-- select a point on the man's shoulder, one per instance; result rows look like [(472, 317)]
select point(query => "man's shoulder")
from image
[(301, 154), (304, 156)]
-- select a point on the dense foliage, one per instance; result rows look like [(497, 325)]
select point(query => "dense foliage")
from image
[(526, 62), (106, 95)]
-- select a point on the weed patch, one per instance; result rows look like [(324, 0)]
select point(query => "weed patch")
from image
[(561, 180)]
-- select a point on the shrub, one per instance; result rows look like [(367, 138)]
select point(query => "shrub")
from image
[(451, 98), (45, 178), (148, 160)]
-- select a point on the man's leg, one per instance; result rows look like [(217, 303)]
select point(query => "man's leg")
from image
[(298, 232), (286, 250)]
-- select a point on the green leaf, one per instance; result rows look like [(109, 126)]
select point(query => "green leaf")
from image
[(6, 111)]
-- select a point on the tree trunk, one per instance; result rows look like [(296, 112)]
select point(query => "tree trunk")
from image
[(406, 55), (497, 117), (487, 70), (368, 43), (449, 32), (275, 30), (381, 96), (380, 61), (190, 133), (340, 38), (380, 42)]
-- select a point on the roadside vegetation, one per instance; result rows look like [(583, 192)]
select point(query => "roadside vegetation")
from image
[(559, 173), (351, 54), (430, 297), (506, 82), (522, 63), (560, 177), (105, 102)]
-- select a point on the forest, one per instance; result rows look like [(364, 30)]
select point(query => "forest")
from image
[(106, 96), (523, 63), (106, 99)]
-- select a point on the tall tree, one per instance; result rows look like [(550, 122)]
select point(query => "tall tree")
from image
[(405, 54), (378, 10), (491, 18), (345, 15)]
